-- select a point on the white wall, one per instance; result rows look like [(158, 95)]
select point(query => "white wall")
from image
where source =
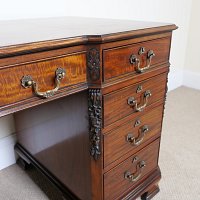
[(191, 73), (192, 62), (7, 141), (177, 12)]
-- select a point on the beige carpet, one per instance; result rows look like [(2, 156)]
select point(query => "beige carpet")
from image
[(179, 158)]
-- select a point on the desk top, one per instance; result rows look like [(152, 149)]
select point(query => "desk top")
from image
[(50, 33)]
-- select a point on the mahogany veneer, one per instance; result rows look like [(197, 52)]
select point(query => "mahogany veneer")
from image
[(115, 141), (117, 60), (115, 180), (115, 103), (43, 72), (101, 140)]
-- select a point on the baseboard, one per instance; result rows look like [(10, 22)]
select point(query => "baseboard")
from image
[(175, 79), (7, 154), (178, 78), (191, 79)]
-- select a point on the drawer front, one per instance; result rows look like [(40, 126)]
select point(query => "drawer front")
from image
[(130, 99), (119, 61), (128, 173), (130, 136), (43, 73)]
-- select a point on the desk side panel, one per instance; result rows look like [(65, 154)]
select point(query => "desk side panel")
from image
[(56, 134)]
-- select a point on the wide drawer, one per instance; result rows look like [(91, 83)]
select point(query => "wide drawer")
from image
[(135, 57), (133, 98), (127, 174), (43, 73), (132, 135)]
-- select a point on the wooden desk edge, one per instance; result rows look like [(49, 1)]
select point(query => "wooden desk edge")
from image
[(21, 49)]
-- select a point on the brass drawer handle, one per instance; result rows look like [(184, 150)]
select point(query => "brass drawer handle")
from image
[(133, 177), (28, 82), (136, 141), (133, 103), (136, 61)]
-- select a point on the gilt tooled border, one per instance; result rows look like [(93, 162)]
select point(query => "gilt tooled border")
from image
[(95, 121), (93, 64)]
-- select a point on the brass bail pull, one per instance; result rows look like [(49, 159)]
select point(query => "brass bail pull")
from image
[(133, 102), (136, 61), (133, 177), (27, 82), (138, 140)]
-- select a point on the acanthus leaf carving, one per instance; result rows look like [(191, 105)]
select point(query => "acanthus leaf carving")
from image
[(93, 64), (95, 121)]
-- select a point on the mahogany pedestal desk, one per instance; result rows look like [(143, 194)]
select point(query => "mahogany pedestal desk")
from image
[(88, 98)]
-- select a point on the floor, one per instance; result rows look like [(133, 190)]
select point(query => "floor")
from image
[(179, 157)]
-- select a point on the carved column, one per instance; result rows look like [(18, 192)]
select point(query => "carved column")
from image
[(95, 121)]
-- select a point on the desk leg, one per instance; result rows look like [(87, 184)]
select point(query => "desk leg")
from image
[(22, 161), (23, 164), (151, 193)]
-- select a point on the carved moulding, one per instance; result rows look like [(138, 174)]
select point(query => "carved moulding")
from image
[(93, 64), (95, 121)]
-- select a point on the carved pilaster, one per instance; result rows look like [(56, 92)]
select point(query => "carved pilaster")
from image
[(93, 64), (95, 121)]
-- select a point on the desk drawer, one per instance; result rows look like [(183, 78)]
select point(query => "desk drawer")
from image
[(130, 172), (133, 98), (120, 61), (131, 136), (43, 73)]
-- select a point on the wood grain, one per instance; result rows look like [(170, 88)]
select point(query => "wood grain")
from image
[(54, 33), (124, 81), (114, 180), (117, 60), (106, 130), (44, 74), (116, 106), (144, 186), (40, 56), (115, 142), (56, 134)]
